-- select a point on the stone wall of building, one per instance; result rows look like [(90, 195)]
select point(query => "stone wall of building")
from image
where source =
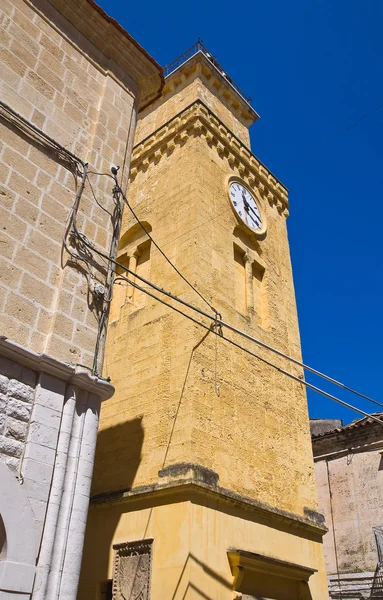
[(349, 479), (57, 78), (68, 106), (17, 390)]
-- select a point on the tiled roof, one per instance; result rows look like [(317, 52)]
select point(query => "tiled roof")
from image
[(353, 425)]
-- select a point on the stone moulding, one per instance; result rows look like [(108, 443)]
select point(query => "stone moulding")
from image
[(200, 65), (191, 490), (43, 363), (241, 560), (247, 567), (197, 120)]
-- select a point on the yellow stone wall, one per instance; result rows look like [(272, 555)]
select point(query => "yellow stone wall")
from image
[(190, 548), (260, 418), (166, 410)]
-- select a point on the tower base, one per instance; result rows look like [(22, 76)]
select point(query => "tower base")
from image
[(187, 538)]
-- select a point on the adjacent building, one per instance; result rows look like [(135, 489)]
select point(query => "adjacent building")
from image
[(204, 483), (349, 475), (72, 83)]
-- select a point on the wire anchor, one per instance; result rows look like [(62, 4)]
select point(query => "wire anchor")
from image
[(217, 328)]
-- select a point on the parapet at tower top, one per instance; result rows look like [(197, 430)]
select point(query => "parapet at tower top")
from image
[(192, 51)]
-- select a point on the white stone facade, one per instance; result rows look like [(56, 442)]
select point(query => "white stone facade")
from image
[(50, 415)]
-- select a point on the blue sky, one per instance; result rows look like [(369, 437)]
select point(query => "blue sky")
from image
[(312, 69)]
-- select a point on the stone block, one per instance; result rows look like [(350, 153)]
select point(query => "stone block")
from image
[(12, 61), (3, 384), (2, 423), (37, 490), (20, 391), (17, 409), (50, 392), (10, 447), (43, 435), (21, 308), (39, 472), (39, 508), (28, 377), (46, 416), (36, 290), (12, 463), (40, 453), (16, 429)]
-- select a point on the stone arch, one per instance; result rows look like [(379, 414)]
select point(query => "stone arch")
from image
[(18, 556), (133, 234)]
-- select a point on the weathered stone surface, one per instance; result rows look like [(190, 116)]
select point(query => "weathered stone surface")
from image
[(20, 391), (15, 409), (16, 429), (319, 426), (131, 571), (349, 478), (10, 447), (18, 409), (3, 384)]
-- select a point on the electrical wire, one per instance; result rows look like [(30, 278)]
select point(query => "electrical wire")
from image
[(253, 339), (40, 137), (367, 114), (152, 240), (95, 197), (86, 245), (218, 320), (116, 219), (215, 331), (163, 253)]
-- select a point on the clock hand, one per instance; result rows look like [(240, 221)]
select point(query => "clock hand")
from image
[(247, 206), (253, 211), (255, 219)]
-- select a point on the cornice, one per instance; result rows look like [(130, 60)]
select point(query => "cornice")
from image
[(245, 565), (199, 65), (43, 363), (197, 120), (199, 492)]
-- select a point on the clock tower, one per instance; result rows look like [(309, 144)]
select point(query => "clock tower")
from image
[(204, 482)]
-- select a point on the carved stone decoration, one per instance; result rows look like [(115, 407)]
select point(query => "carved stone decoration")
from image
[(132, 570)]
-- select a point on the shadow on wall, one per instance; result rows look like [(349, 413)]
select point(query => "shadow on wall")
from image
[(118, 455), (3, 539), (190, 586)]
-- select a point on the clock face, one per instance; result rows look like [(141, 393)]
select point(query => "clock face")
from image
[(245, 206)]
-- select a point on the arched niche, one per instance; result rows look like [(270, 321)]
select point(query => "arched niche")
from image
[(134, 234), (133, 254)]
